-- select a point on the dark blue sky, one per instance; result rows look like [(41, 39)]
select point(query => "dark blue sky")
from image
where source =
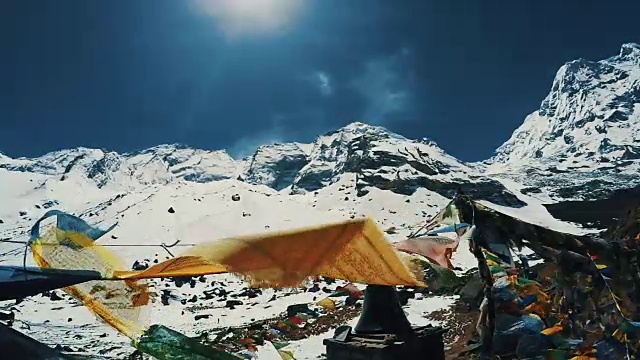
[(130, 74)]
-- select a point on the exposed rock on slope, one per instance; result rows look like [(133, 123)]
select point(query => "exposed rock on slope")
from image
[(583, 143), (158, 165), (378, 157), (275, 165), (389, 161)]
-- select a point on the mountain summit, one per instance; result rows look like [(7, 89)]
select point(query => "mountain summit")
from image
[(375, 156), (586, 132), (591, 115), (582, 144)]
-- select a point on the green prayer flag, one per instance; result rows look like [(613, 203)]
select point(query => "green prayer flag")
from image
[(166, 344), (556, 354)]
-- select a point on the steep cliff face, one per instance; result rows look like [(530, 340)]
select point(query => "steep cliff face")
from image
[(590, 117), (378, 157), (582, 144), (276, 165), (388, 161), (584, 141)]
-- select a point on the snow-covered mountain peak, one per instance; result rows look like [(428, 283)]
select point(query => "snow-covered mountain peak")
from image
[(357, 129), (177, 152), (630, 50), (373, 157), (276, 165), (160, 149), (359, 126), (53, 163), (591, 115), (382, 159), (587, 127), (157, 165)]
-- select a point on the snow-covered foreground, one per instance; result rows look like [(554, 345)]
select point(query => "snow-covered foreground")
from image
[(67, 323), (201, 212)]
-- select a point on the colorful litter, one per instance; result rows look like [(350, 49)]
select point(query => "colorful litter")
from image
[(577, 305)]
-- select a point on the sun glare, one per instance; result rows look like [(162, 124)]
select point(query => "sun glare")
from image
[(251, 17)]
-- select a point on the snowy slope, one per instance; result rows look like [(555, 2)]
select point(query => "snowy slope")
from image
[(581, 144), (203, 212), (388, 161), (378, 157), (584, 141), (158, 165)]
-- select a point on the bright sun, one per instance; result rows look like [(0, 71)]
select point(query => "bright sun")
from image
[(242, 17)]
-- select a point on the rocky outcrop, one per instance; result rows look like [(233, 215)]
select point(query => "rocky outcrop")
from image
[(391, 162), (582, 144), (275, 165)]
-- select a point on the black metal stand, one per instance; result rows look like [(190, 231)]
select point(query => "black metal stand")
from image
[(384, 332)]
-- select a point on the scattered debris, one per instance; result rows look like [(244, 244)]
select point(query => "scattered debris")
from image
[(7, 317), (231, 304), (138, 266), (391, 230), (54, 296), (50, 203)]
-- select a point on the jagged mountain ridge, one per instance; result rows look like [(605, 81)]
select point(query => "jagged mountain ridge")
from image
[(582, 144), (276, 165), (157, 165), (377, 156), (388, 161), (584, 141)]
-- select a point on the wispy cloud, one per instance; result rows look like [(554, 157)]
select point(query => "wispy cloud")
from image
[(324, 83), (385, 86), (250, 17), (321, 80), (247, 145)]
